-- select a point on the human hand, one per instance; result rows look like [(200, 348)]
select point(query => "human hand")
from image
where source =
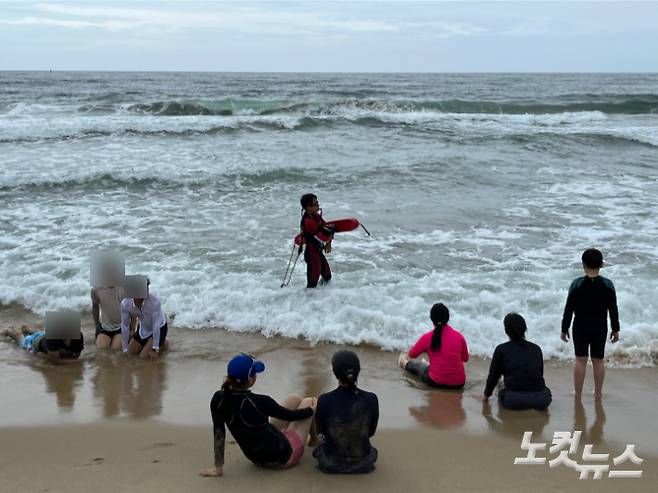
[(564, 336), (614, 337), (153, 355), (212, 472), (327, 248)]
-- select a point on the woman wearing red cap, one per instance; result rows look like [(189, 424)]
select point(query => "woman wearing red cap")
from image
[(277, 442)]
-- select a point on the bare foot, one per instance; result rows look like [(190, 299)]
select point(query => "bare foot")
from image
[(312, 442), (403, 359)]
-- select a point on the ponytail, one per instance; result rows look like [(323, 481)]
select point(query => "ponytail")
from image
[(350, 380), (436, 337), (227, 390), (439, 314)]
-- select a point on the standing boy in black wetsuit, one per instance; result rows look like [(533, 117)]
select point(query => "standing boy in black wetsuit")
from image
[(317, 238), (591, 298)]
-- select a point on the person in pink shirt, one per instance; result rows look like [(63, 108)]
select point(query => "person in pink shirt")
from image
[(447, 351)]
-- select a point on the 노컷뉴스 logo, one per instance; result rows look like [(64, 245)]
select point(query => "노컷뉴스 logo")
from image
[(566, 443)]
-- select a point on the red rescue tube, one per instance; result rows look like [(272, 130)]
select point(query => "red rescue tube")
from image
[(340, 225)]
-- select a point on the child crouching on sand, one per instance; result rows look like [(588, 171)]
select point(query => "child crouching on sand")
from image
[(277, 442)]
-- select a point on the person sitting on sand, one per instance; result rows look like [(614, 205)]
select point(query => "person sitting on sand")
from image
[(58, 350), (346, 418), (108, 271), (521, 363), (277, 442), (446, 349), (142, 307), (106, 311)]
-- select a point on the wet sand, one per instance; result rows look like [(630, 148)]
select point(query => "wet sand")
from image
[(127, 423)]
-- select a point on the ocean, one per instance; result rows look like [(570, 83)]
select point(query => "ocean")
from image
[(480, 191)]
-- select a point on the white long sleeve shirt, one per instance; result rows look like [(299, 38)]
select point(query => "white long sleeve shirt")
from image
[(151, 318)]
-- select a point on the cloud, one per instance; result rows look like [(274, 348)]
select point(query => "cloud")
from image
[(222, 18)]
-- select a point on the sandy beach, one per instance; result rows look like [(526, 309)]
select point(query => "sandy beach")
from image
[(126, 424)]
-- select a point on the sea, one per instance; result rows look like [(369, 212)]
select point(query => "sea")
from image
[(479, 190)]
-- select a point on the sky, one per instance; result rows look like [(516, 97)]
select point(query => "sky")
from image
[(329, 36)]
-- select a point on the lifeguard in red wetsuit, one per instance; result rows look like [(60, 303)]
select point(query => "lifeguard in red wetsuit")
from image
[(317, 236)]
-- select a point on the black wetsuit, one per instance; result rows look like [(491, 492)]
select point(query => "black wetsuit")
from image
[(247, 417), (521, 364), (347, 418), (591, 299)]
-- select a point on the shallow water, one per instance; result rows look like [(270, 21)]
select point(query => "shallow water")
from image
[(480, 191)]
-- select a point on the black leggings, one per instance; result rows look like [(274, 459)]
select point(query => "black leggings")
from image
[(421, 370), (520, 400)]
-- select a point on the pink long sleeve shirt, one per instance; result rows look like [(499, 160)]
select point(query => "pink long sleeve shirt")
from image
[(447, 364)]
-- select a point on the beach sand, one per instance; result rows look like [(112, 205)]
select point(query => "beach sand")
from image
[(112, 424)]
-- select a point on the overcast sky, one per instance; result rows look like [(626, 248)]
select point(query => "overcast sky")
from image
[(324, 36)]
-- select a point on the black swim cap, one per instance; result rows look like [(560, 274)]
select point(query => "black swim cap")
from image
[(592, 258), (346, 366), (307, 199)]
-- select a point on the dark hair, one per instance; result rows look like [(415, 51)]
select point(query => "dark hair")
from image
[(439, 315), (307, 199), (227, 389), (346, 367), (515, 327), (592, 258)]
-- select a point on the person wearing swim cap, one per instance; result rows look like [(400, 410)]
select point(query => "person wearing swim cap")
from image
[(447, 351), (317, 238), (346, 418), (270, 435), (591, 298)]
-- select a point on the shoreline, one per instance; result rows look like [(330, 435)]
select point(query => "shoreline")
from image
[(132, 423)]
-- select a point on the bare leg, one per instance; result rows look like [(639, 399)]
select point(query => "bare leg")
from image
[(290, 402), (303, 427), (134, 347), (403, 359), (14, 335), (102, 341), (599, 375), (116, 342), (313, 438), (146, 349), (579, 370)]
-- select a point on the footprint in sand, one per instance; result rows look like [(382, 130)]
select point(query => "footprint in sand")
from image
[(159, 445), (96, 461)]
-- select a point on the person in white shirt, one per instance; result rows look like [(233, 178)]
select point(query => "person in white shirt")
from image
[(142, 308)]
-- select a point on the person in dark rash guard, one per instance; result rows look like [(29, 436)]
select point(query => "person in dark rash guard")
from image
[(521, 363), (591, 298), (277, 442), (346, 418), (317, 238)]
